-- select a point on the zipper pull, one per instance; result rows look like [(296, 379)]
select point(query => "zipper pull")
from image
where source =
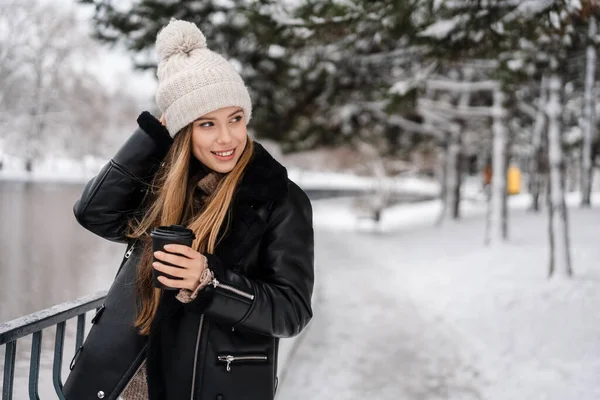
[(215, 282), (228, 359), (129, 251)]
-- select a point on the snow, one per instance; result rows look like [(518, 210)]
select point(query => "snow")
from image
[(527, 8), (515, 65), (340, 214), (276, 51), (401, 87), (442, 28), (334, 180), (53, 168), (414, 311)]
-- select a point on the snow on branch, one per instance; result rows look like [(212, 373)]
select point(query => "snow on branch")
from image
[(455, 111), (453, 86), (527, 109), (440, 118), (527, 8), (411, 126), (404, 54), (440, 29)]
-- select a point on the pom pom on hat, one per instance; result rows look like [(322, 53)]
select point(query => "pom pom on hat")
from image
[(179, 37)]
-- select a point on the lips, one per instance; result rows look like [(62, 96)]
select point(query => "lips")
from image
[(223, 153), (225, 156)]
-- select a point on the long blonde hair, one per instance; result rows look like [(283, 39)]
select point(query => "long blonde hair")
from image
[(169, 202)]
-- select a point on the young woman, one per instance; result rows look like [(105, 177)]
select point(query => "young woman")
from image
[(247, 279)]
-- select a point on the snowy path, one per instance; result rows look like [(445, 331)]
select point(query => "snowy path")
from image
[(431, 313), (368, 340)]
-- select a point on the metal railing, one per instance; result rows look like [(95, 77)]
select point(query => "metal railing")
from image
[(34, 324)]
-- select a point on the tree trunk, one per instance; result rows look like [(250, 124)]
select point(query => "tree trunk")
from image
[(589, 120), (442, 174), (453, 175), (456, 142), (535, 175), (560, 260), (507, 147), (498, 190)]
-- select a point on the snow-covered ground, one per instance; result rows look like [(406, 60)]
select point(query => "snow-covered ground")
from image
[(417, 312), (341, 213)]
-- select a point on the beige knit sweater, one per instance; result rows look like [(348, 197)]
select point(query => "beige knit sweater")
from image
[(137, 389)]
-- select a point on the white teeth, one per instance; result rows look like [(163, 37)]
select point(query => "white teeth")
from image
[(226, 154)]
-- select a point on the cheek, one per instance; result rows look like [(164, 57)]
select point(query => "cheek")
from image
[(241, 134), (200, 143)]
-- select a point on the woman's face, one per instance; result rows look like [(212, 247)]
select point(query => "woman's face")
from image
[(219, 137)]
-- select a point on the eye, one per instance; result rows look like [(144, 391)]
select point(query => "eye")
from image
[(237, 118), (206, 124)]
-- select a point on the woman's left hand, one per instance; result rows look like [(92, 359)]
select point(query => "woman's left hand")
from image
[(191, 263)]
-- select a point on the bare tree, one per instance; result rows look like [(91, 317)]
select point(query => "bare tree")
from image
[(536, 173), (13, 39), (49, 59), (497, 227), (50, 101), (589, 118), (560, 258)]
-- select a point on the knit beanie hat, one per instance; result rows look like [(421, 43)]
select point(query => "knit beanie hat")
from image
[(193, 80)]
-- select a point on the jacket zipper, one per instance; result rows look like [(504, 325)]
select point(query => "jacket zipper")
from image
[(229, 359), (128, 254), (196, 357), (239, 292)]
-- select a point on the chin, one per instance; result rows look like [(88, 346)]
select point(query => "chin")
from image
[(223, 169)]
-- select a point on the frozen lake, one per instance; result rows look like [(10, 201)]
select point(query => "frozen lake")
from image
[(47, 257)]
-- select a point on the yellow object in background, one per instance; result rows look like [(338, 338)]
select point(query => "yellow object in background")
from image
[(513, 180)]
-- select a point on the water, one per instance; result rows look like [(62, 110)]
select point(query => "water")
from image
[(47, 258)]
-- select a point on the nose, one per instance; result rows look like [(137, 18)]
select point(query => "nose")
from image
[(224, 137)]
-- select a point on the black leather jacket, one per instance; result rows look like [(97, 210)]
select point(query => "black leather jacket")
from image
[(222, 345)]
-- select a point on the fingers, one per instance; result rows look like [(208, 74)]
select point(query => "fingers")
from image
[(187, 281), (174, 283), (183, 250), (172, 259), (173, 271)]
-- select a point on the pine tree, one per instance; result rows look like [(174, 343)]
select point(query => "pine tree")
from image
[(319, 72), (247, 33)]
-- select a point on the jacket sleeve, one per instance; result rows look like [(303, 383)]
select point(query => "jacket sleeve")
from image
[(111, 197), (280, 303)]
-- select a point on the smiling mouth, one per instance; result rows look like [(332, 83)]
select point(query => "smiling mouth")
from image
[(223, 153)]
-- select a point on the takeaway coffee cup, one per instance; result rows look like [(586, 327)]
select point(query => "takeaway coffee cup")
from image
[(163, 235)]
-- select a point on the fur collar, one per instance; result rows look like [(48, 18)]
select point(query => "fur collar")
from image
[(265, 180)]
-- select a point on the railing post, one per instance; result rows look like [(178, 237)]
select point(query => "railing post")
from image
[(59, 344), (9, 370), (34, 367)]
